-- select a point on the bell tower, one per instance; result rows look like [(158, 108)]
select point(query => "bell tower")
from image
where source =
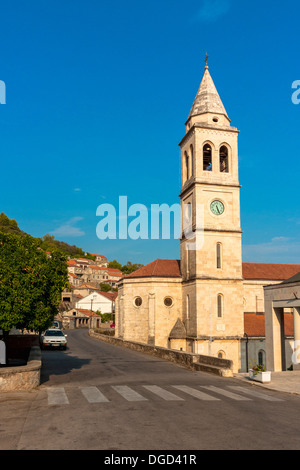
[(211, 251)]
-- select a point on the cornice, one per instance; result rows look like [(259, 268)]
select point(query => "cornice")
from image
[(203, 125), (193, 181)]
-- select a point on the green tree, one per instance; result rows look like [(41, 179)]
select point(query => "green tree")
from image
[(130, 268), (106, 317), (114, 265), (30, 283), (127, 268), (105, 287), (8, 225)]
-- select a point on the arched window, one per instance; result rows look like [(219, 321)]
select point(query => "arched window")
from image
[(260, 357), (192, 160), (220, 306), (219, 256), (187, 168), (224, 166), (207, 158)]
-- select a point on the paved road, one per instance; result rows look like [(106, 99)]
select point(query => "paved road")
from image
[(98, 396)]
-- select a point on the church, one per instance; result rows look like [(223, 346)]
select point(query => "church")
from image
[(209, 302)]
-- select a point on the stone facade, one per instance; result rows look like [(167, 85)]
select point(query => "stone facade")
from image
[(213, 288)]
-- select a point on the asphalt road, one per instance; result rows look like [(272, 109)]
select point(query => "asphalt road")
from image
[(99, 396)]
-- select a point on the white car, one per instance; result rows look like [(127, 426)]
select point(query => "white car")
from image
[(53, 337)]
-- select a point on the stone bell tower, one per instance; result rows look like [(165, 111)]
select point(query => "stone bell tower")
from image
[(211, 252)]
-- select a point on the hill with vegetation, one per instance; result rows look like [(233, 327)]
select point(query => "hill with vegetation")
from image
[(49, 243), (46, 243)]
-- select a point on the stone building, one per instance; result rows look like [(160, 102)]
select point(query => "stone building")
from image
[(282, 315), (87, 271), (199, 303)]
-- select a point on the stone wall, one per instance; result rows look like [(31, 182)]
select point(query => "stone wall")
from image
[(222, 367), (25, 377)]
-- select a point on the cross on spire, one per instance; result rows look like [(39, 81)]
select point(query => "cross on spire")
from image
[(206, 59)]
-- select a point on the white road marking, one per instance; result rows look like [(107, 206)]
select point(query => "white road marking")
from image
[(195, 393), (168, 396), (128, 393), (93, 395), (226, 393), (254, 393), (57, 396)]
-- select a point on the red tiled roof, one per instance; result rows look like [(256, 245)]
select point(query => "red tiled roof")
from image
[(114, 270), (259, 271), (86, 286), (158, 268), (109, 270), (269, 271), (288, 324), (89, 313), (254, 324), (109, 295), (100, 256), (98, 267)]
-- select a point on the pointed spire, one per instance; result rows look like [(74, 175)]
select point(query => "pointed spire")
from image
[(207, 99)]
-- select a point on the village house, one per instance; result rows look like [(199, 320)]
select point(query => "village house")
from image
[(96, 301), (86, 271)]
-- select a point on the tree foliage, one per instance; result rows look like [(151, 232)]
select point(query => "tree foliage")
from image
[(30, 283), (127, 268), (8, 225), (48, 243), (105, 287)]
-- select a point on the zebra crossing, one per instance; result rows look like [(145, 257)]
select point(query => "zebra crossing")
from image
[(180, 393)]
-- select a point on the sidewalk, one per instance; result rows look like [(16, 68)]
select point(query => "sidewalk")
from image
[(287, 381)]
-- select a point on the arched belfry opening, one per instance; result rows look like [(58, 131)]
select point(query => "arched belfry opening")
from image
[(224, 164), (207, 158)]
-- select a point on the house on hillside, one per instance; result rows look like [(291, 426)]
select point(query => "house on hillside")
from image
[(97, 301), (81, 318), (100, 260)]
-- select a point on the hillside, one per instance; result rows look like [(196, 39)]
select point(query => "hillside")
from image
[(47, 242)]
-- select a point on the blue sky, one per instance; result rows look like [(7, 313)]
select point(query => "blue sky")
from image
[(97, 94)]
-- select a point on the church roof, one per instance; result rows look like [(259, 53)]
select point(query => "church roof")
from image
[(207, 99), (254, 324), (269, 271), (257, 271), (158, 268), (295, 278)]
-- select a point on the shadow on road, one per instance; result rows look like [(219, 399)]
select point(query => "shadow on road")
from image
[(59, 363)]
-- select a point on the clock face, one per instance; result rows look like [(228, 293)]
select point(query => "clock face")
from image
[(217, 207)]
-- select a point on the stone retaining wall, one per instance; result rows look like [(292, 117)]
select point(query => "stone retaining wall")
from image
[(25, 377), (221, 367)]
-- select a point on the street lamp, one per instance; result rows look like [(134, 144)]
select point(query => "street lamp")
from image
[(91, 312)]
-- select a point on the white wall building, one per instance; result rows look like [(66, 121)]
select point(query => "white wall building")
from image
[(95, 301)]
